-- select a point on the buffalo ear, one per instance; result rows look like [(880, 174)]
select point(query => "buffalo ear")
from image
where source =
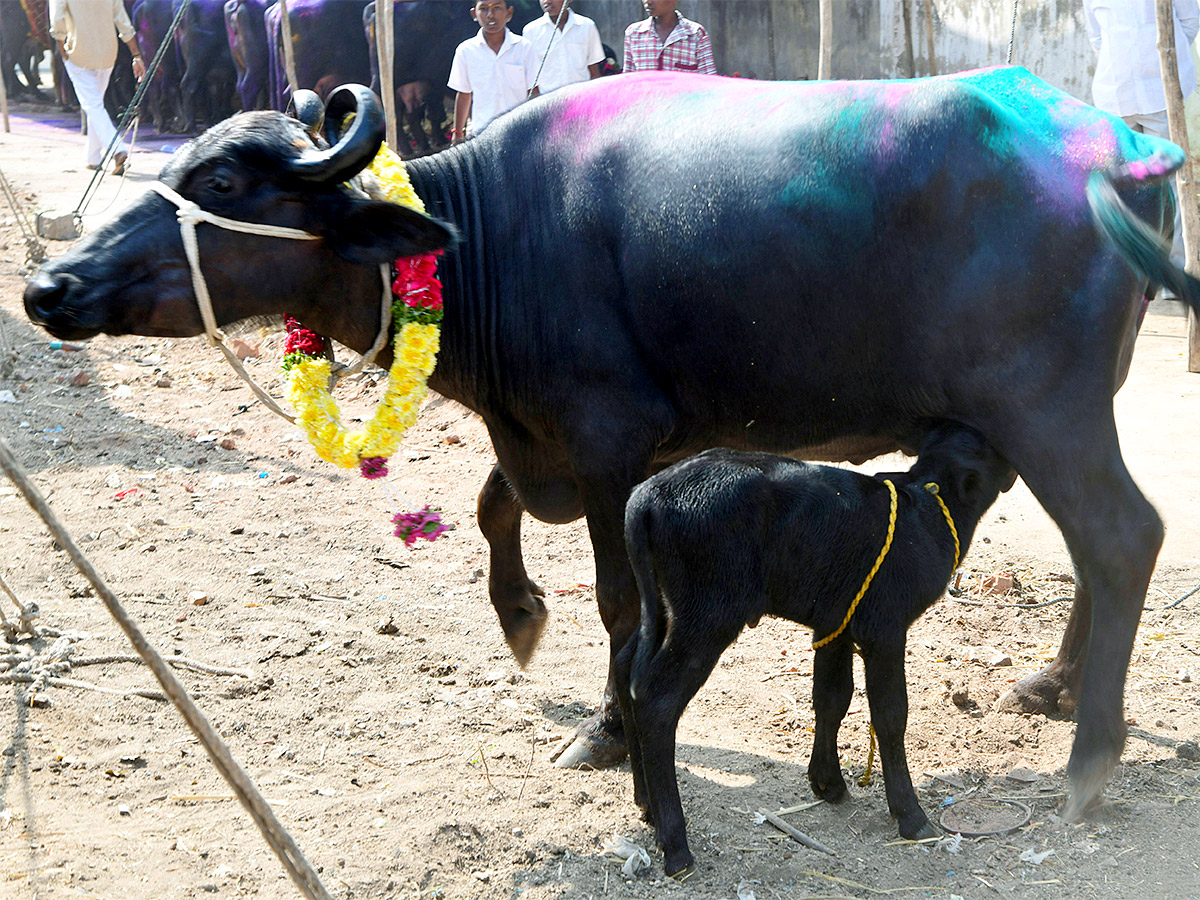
[(377, 232)]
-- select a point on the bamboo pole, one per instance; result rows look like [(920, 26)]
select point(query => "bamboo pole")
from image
[(1185, 178), (929, 37), (289, 51), (825, 58), (385, 46)]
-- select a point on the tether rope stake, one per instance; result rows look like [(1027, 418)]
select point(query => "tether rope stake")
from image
[(191, 214), (298, 867)]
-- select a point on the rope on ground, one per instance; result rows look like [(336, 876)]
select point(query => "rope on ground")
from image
[(168, 43), (35, 250), (298, 867), (1174, 603)]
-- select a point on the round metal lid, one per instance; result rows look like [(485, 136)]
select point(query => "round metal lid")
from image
[(984, 817)]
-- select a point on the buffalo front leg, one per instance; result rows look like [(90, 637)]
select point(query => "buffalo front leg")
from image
[(517, 600)]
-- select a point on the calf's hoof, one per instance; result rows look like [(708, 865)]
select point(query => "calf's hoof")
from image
[(680, 864), (593, 746), (1048, 692), (917, 827), (831, 789)]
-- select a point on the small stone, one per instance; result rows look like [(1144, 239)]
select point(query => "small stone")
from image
[(475, 576), (123, 810), (453, 439), (228, 444), (1185, 676), (164, 381), (198, 598), (962, 699), (386, 626), (494, 676), (243, 350), (160, 521), (1188, 750), (78, 378), (1022, 775), (289, 479)]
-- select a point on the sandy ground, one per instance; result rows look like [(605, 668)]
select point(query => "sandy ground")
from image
[(381, 713)]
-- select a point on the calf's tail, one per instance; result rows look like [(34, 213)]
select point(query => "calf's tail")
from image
[(1142, 246), (637, 544)]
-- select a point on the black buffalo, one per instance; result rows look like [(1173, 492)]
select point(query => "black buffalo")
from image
[(206, 89), (834, 267)]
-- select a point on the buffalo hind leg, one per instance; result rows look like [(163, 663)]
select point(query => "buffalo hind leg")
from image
[(1114, 535), (516, 598), (1055, 689)]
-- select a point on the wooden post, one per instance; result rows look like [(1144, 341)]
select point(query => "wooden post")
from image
[(1186, 180), (910, 61), (825, 57), (289, 51), (4, 104), (929, 36), (385, 44)]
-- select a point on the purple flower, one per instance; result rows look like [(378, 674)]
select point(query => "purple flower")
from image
[(373, 466), (425, 524)]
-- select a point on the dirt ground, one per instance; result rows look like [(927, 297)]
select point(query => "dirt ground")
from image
[(383, 716)]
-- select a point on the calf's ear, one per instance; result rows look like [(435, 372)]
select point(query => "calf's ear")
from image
[(378, 232)]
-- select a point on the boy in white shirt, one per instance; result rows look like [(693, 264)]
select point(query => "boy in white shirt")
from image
[(492, 72), (575, 48)]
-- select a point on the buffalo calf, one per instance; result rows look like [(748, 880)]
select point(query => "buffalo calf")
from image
[(725, 537)]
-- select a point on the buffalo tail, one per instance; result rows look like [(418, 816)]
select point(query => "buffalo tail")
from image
[(637, 543), (1140, 245)]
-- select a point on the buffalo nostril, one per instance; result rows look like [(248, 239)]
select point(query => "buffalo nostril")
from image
[(43, 295)]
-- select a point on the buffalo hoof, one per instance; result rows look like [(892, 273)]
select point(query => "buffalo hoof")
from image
[(523, 618), (593, 746), (1048, 692)]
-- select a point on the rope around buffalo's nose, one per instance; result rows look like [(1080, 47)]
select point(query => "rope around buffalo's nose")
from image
[(189, 215)]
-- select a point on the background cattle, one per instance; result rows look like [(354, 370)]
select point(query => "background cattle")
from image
[(247, 35), (426, 36), (329, 44), (206, 86), (162, 103)]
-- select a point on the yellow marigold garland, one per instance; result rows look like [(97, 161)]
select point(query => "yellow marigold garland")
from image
[(416, 316)]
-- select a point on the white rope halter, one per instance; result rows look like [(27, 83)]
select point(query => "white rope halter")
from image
[(189, 215)]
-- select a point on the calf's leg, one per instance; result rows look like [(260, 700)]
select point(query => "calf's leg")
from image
[(833, 686), (675, 673), (887, 697), (622, 675)]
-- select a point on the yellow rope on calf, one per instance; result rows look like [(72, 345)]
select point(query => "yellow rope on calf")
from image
[(933, 489), (887, 545), (865, 778)]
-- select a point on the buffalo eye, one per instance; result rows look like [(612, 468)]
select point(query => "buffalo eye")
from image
[(219, 183)]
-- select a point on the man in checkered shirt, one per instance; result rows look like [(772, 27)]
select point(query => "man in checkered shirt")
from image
[(666, 41)]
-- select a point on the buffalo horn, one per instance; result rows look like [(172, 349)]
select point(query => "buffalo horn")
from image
[(307, 107), (355, 148)]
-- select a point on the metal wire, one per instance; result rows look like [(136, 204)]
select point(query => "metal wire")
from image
[(131, 111), (1012, 35)]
